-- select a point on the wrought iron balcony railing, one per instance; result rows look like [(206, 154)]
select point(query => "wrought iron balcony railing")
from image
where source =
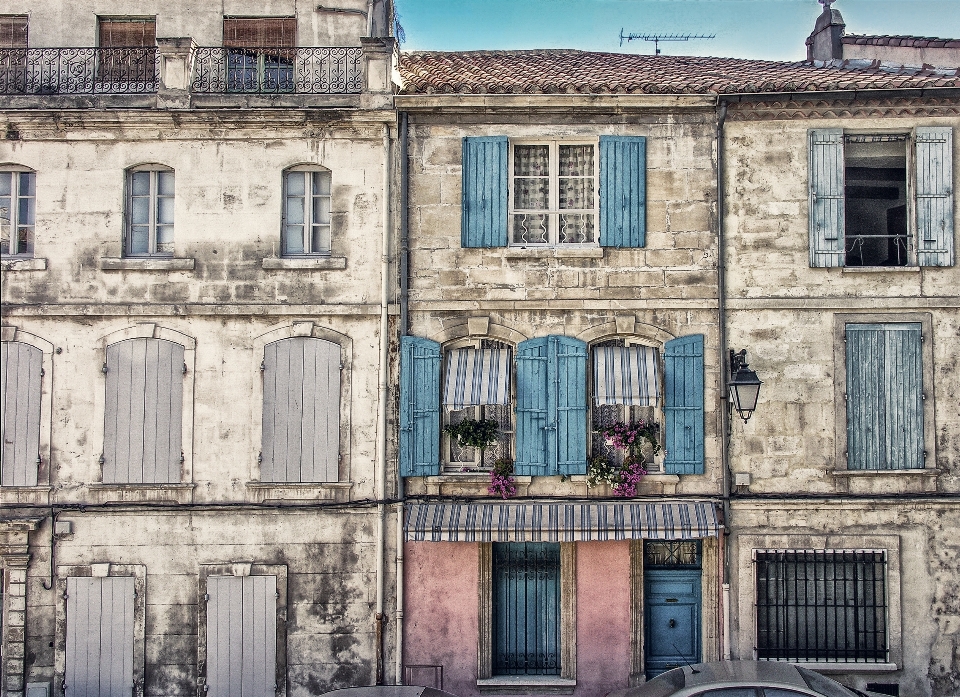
[(46, 71), (265, 70)]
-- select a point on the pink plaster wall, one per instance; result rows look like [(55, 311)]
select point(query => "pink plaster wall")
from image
[(440, 611), (603, 617)]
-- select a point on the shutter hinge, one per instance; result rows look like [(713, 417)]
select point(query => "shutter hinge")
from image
[(340, 457), (182, 458), (39, 460), (263, 366), (102, 459), (277, 593), (845, 396), (341, 366), (206, 597), (104, 367), (42, 372), (260, 458), (65, 595), (923, 395), (184, 368)]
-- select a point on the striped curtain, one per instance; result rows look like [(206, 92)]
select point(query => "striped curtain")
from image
[(625, 375), (477, 376)]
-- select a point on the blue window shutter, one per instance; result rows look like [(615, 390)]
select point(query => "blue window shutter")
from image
[(419, 407), (884, 396), (533, 413), (571, 405), (683, 405), (485, 183), (935, 196), (826, 183), (623, 191)]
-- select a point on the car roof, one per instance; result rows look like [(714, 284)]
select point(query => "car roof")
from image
[(743, 671)]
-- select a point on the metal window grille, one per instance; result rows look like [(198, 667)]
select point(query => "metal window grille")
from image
[(671, 554), (817, 605), (526, 608)]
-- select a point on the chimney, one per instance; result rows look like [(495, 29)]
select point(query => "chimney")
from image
[(824, 44)]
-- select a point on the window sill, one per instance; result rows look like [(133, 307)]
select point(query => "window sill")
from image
[(556, 252), (891, 482), (147, 264), (261, 492), (526, 685), (23, 264), (880, 269), (925, 472), (32, 495), (305, 264), (852, 667), (136, 493)]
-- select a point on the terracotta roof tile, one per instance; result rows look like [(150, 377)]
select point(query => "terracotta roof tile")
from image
[(564, 71), (912, 41)]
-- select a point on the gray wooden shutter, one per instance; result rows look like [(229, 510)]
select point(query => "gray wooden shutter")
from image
[(623, 191), (21, 366), (143, 412), (99, 633), (884, 396), (241, 636), (484, 197), (301, 411), (826, 175), (935, 196)]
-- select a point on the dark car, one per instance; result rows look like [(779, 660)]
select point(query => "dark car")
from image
[(390, 691), (741, 679)]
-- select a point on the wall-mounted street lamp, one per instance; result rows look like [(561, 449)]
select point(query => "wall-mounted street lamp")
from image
[(744, 385)]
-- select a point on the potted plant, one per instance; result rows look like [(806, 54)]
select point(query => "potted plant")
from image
[(501, 479), (474, 433), (629, 437)]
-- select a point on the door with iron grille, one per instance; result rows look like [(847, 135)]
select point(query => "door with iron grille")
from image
[(672, 605), (526, 609)]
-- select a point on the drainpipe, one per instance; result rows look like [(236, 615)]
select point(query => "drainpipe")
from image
[(724, 396), (370, 17), (404, 292), (381, 454)]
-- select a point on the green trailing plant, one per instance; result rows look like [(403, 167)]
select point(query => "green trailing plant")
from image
[(474, 433)]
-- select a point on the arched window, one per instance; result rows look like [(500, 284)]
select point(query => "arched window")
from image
[(306, 212), (18, 200), (149, 215)]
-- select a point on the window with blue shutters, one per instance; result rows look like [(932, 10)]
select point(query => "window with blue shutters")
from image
[(881, 199), (884, 398), (419, 407), (551, 193), (683, 405)]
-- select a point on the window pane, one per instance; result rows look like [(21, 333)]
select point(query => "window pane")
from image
[(321, 210), (576, 161), (165, 183), (141, 183), (140, 239), (530, 229), (28, 184), (165, 239), (576, 193), (321, 239), (140, 210), (531, 194), (6, 179), (5, 227), (165, 211), (293, 239), (25, 240), (295, 211), (531, 160), (295, 186), (321, 183), (576, 228)]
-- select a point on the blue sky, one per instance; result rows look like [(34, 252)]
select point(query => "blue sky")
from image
[(767, 29)]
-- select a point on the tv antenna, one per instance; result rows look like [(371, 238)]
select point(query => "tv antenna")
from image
[(657, 38)]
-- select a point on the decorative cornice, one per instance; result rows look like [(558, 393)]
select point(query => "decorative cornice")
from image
[(842, 108)]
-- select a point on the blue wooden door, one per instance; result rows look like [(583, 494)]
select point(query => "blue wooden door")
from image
[(672, 611)]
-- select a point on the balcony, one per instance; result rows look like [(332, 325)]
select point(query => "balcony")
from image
[(213, 70), (55, 71)]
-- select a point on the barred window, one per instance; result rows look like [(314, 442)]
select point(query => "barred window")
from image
[(827, 606)]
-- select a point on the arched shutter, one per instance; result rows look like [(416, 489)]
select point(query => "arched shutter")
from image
[(623, 191), (683, 405), (301, 411), (485, 182), (20, 386), (533, 407), (143, 412), (419, 407), (826, 184), (571, 405), (935, 224)]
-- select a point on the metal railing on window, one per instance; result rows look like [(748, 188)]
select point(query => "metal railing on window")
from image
[(266, 70), (45, 71), (826, 606)]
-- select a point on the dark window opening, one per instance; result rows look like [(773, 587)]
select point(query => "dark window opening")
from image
[(128, 50), (262, 52), (876, 200), (821, 606)]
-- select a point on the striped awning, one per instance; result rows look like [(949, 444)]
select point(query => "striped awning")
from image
[(477, 376), (560, 522), (625, 375)]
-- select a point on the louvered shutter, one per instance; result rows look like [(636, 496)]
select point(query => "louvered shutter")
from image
[(20, 386), (884, 396), (143, 412), (935, 223), (485, 183), (241, 636), (259, 32), (13, 31), (826, 197), (301, 411), (623, 191), (99, 636), (127, 33), (683, 405), (533, 407), (419, 407), (571, 405)]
